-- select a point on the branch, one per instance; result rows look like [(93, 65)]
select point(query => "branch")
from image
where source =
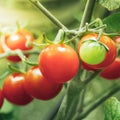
[(99, 101), (87, 12), (48, 14)]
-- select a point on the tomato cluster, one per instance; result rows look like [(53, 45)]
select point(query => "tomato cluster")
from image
[(110, 65), (57, 63), (20, 89)]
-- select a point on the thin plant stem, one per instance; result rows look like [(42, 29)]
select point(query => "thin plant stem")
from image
[(48, 14), (87, 12), (80, 104), (99, 101)]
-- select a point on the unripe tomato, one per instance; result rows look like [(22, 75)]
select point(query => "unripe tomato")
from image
[(58, 63), (110, 55), (112, 71), (1, 98), (92, 52), (18, 40), (14, 91), (39, 87)]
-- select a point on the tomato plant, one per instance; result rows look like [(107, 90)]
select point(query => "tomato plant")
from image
[(112, 50), (58, 63), (39, 87), (14, 91), (112, 71), (78, 56), (1, 98)]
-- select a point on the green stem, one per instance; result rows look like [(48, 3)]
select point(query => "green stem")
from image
[(85, 82), (87, 12), (80, 104), (48, 14), (99, 101)]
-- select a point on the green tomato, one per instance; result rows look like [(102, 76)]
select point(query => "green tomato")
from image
[(92, 52)]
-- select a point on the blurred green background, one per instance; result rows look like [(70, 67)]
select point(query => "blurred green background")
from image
[(69, 12)]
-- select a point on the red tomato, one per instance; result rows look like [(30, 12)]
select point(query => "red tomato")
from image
[(13, 89), (87, 67), (112, 71), (58, 63), (1, 98), (38, 87), (110, 55), (18, 40)]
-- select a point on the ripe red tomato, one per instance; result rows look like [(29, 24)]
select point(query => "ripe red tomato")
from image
[(1, 98), (18, 40), (110, 55), (58, 63), (112, 71), (39, 87), (13, 89)]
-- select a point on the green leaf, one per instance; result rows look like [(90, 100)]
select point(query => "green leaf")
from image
[(112, 109), (113, 22), (110, 4)]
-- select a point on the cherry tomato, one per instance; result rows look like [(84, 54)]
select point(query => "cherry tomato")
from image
[(14, 91), (110, 55), (58, 63), (18, 40), (39, 87), (1, 98), (92, 52), (112, 71)]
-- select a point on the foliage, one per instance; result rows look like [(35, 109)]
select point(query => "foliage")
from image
[(112, 109)]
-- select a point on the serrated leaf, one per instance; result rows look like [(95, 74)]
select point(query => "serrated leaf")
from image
[(110, 4), (113, 23), (112, 109)]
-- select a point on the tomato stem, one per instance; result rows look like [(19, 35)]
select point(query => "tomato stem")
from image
[(48, 14), (60, 37), (87, 12), (99, 101), (14, 69)]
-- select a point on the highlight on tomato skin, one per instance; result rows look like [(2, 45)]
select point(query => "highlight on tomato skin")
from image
[(39, 87), (112, 72), (58, 63), (14, 91), (1, 98), (110, 55)]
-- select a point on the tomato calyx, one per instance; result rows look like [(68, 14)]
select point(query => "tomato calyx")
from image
[(15, 69)]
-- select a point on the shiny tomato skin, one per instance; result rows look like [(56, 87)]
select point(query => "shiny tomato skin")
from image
[(112, 71), (1, 98), (38, 87), (58, 63), (18, 40), (110, 55), (14, 91)]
